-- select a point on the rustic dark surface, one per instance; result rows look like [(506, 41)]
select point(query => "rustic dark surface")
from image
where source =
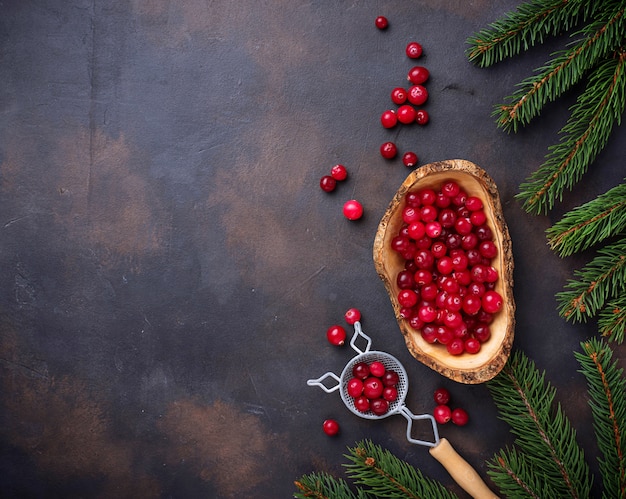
[(169, 265)]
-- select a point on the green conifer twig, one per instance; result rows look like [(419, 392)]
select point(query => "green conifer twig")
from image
[(590, 223), (607, 389), (612, 319), (601, 279), (323, 486), (544, 435), (586, 133)]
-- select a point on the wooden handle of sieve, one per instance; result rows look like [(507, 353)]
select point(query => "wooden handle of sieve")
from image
[(461, 471)]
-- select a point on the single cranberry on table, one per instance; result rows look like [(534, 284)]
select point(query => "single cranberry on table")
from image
[(399, 95), (414, 50), (389, 118), (406, 113), (418, 75), (417, 95), (352, 315), (381, 22), (442, 414), (459, 417), (388, 150), (422, 117), (328, 183), (352, 209), (330, 427), (336, 335), (441, 396), (339, 172)]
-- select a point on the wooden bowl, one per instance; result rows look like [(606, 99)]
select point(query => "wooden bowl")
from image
[(464, 368)]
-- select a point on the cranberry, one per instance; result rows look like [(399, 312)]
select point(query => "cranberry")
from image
[(442, 414), (361, 370), (339, 172), (399, 95), (427, 313), (336, 335), (455, 347), (352, 315), (389, 118), (451, 189), (373, 387), (478, 217), (331, 427), (381, 22), (379, 406), (422, 117), (433, 229), (459, 417), (388, 150), (488, 249), (406, 113), (418, 75), (414, 50), (354, 387), (352, 210), (429, 333), (418, 95), (377, 369), (328, 183), (362, 403), (482, 333), (444, 335), (473, 203), (492, 302), (472, 345), (471, 304), (390, 393), (441, 396), (409, 159), (391, 378)]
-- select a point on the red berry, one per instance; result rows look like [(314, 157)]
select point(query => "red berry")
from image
[(379, 406), (442, 414), (388, 150), (381, 22), (406, 113), (414, 50), (389, 118), (441, 396), (391, 378), (361, 370), (422, 117), (328, 183), (352, 315), (418, 95), (336, 335), (455, 347), (459, 417), (355, 387), (418, 75), (339, 172), (331, 427), (352, 210), (390, 393), (373, 387), (472, 345), (409, 159), (492, 302), (362, 403), (399, 95), (377, 369)]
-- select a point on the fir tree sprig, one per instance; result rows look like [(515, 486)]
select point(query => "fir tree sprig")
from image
[(612, 319), (324, 486), (521, 29), (607, 389), (601, 38), (602, 279), (590, 223), (586, 133), (544, 435), (385, 475)]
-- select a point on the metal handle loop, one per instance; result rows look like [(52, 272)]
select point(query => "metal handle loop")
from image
[(358, 333), (410, 417), (319, 382)]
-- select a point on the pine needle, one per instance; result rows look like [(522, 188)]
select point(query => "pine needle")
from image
[(612, 320), (323, 486), (607, 389)]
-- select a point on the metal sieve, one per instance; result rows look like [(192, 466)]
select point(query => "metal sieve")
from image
[(460, 470)]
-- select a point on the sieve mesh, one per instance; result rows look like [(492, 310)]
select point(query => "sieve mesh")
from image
[(390, 363)]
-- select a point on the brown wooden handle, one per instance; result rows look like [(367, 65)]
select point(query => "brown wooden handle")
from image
[(461, 471)]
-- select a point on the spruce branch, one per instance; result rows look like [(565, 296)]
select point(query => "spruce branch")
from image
[(514, 475), (590, 223), (612, 320), (586, 133), (601, 38), (544, 435), (601, 279), (607, 389), (521, 29), (323, 486), (385, 475)]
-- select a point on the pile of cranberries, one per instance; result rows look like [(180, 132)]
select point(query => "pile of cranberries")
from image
[(373, 387), (447, 285)]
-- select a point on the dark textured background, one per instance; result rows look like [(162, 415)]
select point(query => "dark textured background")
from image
[(169, 265)]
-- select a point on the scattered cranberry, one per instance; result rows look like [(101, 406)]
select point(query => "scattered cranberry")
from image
[(441, 396), (336, 335), (352, 315), (389, 118), (381, 22), (352, 210), (328, 183), (422, 117), (418, 95), (418, 75), (388, 150), (459, 417), (406, 113), (339, 172), (399, 95), (409, 159), (331, 427), (442, 414), (414, 50)]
